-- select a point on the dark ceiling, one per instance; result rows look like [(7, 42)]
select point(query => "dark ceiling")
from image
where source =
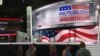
[(17, 8)]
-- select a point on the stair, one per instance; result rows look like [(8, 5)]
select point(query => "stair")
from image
[(94, 49)]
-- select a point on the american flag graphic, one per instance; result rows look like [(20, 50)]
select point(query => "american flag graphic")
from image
[(86, 34)]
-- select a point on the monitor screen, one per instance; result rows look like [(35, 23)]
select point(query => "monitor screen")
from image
[(75, 35)]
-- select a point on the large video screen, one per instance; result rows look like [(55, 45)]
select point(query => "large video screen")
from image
[(87, 34), (65, 15)]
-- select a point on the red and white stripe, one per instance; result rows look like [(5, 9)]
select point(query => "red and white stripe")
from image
[(86, 34), (44, 39)]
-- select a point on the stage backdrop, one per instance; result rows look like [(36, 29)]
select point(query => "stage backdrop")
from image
[(48, 21)]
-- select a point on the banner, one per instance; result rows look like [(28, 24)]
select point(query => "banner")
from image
[(65, 15)]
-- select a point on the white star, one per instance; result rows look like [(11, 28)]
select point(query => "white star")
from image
[(40, 32), (52, 32), (48, 34), (46, 31)]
